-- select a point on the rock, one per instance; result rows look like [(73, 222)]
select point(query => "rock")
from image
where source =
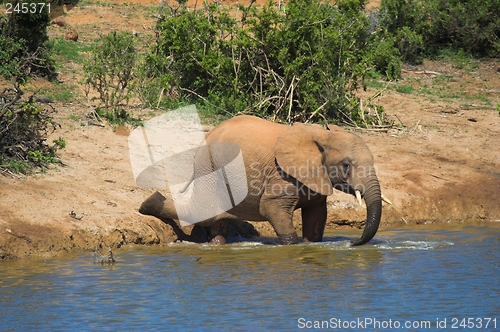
[(71, 35), (59, 21)]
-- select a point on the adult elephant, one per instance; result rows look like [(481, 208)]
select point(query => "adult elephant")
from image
[(286, 168)]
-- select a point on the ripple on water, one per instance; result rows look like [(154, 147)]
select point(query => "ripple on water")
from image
[(413, 245), (339, 243)]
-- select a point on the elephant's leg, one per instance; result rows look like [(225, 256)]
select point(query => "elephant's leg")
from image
[(279, 212), (181, 236), (200, 234), (283, 226), (218, 231), (313, 222)]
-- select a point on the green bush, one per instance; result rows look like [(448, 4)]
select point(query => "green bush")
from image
[(302, 66), (471, 26), (110, 69), (25, 49), (24, 126), (9, 55), (386, 58)]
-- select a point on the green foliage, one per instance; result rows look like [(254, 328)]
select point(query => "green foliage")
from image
[(24, 126), (302, 66), (410, 45), (63, 94), (15, 166), (25, 49), (9, 55), (407, 89), (117, 116), (60, 142), (471, 26), (57, 91), (110, 69), (386, 58), (459, 59), (69, 51), (382, 48), (371, 115)]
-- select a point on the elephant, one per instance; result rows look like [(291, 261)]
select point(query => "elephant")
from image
[(286, 167)]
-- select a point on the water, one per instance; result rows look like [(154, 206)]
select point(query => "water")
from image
[(425, 277)]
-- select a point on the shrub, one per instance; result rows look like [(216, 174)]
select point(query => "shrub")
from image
[(24, 36), (302, 66), (472, 26), (24, 126), (384, 56), (9, 53), (110, 69)]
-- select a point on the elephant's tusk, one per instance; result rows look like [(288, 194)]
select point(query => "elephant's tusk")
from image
[(358, 197), (386, 200)]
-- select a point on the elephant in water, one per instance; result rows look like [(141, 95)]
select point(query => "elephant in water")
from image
[(284, 168)]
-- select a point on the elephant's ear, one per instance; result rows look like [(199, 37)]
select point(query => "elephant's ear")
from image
[(298, 153)]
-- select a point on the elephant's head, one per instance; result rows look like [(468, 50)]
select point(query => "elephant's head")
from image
[(324, 160)]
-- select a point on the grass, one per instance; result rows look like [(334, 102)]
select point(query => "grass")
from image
[(444, 78), (64, 95), (442, 88), (460, 60), (374, 83), (74, 117), (59, 92), (407, 89), (450, 94), (480, 98), (16, 166), (426, 90), (69, 51)]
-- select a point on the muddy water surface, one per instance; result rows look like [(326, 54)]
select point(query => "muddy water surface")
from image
[(414, 278)]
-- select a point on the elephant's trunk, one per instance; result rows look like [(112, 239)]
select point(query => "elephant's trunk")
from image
[(373, 200)]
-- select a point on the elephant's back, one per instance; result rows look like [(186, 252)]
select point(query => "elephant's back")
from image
[(247, 131)]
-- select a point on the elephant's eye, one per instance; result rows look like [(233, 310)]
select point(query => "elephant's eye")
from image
[(347, 168)]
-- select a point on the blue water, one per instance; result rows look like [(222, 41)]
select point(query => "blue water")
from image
[(425, 277)]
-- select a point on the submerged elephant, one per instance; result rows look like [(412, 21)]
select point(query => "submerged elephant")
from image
[(286, 168)]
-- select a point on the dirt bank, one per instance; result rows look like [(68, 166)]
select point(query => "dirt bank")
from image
[(441, 163)]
